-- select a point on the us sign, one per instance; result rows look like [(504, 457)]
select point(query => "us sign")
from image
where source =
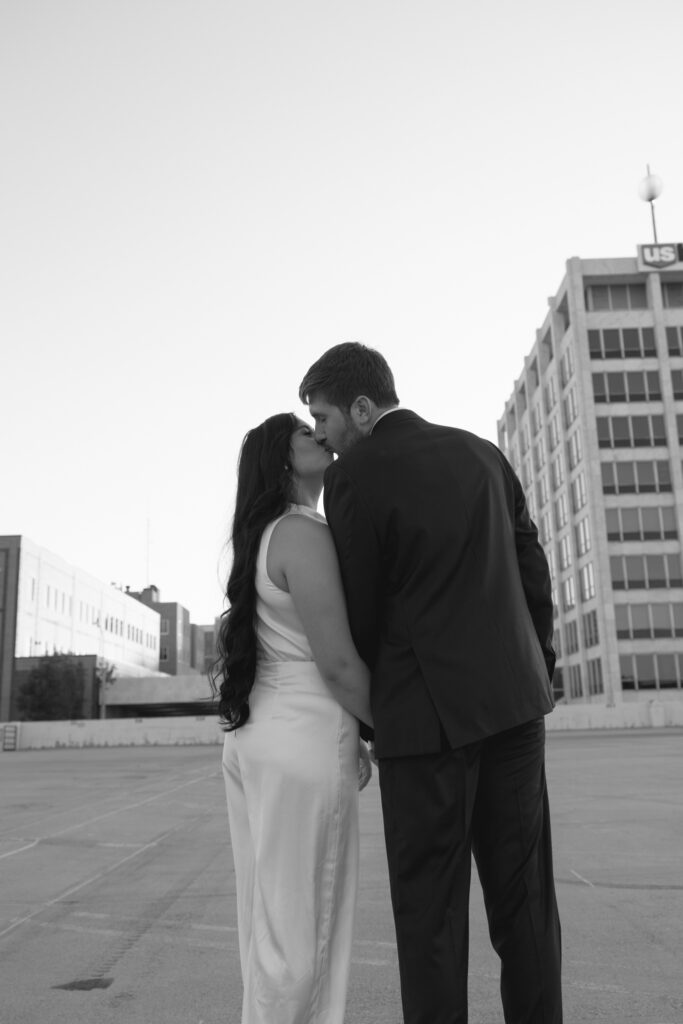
[(665, 256)]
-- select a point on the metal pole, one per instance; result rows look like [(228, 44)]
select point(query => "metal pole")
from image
[(654, 223)]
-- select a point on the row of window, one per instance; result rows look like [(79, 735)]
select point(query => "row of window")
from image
[(630, 296), (564, 548), (634, 386), (648, 621), (636, 477), (629, 386), (615, 296), (649, 572), (573, 674), (622, 343), (631, 431), (651, 671), (587, 584), (571, 634), (657, 523)]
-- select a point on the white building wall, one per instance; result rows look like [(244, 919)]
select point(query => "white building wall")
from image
[(63, 608)]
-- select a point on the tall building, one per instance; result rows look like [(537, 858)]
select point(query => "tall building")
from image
[(594, 430), (49, 606)]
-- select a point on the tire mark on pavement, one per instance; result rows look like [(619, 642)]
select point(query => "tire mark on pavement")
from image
[(89, 881), (108, 814)]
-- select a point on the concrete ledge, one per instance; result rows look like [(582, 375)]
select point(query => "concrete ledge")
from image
[(171, 731), (635, 715), (120, 732)]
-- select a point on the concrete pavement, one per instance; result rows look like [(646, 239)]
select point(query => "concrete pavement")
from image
[(117, 899)]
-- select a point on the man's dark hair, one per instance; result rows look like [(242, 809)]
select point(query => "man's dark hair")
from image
[(346, 371)]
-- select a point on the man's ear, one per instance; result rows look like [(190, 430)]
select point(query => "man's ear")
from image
[(362, 410)]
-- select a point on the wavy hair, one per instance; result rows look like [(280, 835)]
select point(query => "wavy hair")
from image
[(264, 489)]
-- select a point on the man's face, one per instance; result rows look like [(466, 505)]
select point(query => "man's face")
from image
[(334, 428)]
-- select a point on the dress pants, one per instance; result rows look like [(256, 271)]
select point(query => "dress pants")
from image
[(488, 799)]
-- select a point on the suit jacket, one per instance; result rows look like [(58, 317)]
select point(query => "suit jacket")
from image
[(447, 586)]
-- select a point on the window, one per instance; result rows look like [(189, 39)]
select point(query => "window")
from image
[(566, 367), (590, 629), (164, 630), (672, 294), (624, 343), (587, 579), (571, 638), (615, 296), (558, 685), (557, 472), (674, 340), (579, 498), (568, 594), (583, 536), (539, 454), (542, 491), (564, 552), (677, 383), (574, 450), (163, 653), (595, 684), (571, 408), (557, 643), (632, 431), (533, 376), (561, 512), (546, 351), (550, 394), (536, 419), (553, 433), (545, 528), (575, 686), (521, 400), (524, 438)]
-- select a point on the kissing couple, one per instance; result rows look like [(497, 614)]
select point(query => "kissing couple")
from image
[(415, 616)]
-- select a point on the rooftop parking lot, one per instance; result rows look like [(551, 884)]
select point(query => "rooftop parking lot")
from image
[(117, 894)]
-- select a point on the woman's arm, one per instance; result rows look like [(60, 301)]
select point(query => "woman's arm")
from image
[(304, 551)]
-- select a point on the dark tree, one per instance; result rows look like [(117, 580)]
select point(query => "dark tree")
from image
[(53, 691)]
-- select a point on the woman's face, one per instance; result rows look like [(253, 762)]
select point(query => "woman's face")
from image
[(308, 458)]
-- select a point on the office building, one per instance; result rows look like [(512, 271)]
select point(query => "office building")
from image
[(594, 430)]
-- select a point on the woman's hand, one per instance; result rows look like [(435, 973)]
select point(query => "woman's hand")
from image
[(364, 765)]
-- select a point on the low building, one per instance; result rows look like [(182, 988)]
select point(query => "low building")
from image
[(49, 606)]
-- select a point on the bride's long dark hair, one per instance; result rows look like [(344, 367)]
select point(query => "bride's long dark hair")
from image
[(264, 489)]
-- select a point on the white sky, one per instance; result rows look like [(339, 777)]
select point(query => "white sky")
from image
[(197, 198)]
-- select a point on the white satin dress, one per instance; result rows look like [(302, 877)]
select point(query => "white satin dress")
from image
[(291, 779)]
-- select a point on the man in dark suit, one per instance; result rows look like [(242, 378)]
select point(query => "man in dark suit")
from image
[(449, 600)]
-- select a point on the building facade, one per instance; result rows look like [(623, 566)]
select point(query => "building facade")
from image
[(49, 606), (594, 430), (175, 640)]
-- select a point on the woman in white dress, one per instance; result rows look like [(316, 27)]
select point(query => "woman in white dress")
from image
[(292, 692)]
